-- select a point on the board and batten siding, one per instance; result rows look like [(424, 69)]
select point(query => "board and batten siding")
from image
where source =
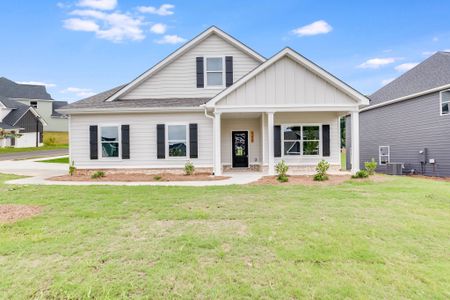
[(178, 79), (286, 82), (408, 127), (142, 140)]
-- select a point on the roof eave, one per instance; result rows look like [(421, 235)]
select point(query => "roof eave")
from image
[(115, 110)]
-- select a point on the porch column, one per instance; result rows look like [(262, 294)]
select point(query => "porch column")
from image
[(355, 141), (271, 160), (217, 148)]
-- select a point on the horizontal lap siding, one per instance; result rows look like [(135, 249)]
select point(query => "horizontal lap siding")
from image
[(178, 79), (142, 140), (407, 127)]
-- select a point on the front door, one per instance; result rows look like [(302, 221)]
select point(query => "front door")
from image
[(240, 149)]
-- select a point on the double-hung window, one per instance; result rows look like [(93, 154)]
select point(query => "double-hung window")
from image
[(109, 138), (214, 72), (384, 155), (445, 102), (177, 140), (301, 140)]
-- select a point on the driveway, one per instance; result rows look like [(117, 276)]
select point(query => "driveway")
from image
[(33, 154), (33, 168)]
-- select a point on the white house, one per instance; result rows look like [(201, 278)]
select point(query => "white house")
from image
[(218, 103)]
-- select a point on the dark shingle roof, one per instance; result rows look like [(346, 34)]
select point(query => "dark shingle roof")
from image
[(18, 110), (7, 126), (57, 105), (431, 73), (98, 102), (9, 88)]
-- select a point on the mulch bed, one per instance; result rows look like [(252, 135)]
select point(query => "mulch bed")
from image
[(308, 180), (139, 177), (10, 213)]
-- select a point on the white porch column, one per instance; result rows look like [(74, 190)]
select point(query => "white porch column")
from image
[(217, 142), (355, 141), (271, 160)]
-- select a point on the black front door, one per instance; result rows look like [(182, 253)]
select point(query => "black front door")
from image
[(240, 149)]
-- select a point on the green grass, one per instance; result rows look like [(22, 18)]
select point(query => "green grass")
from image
[(31, 149), (358, 240), (60, 138), (60, 160)]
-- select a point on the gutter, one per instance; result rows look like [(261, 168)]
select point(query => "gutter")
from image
[(118, 110)]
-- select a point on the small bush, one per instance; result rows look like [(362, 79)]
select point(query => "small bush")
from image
[(371, 166), (157, 177), (50, 141), (321, 169), (72, 169), (361, 174), (282, 169), (98, 174), (189, 168)]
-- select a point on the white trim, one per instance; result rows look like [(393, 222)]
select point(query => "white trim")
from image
[(355, 141), (205, 73), (440, 103), (118, 110), (271, 160), (388, 155), (287, 108), (183, 49), (301, 125), (166, 138), (217, 144), (358, 97), (100, 142), (34, 112), (407, 97)]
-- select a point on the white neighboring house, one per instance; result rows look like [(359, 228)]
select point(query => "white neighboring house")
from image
[(221, 105), (20, 125)]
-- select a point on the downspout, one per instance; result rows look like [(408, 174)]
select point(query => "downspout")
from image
[(212, 118)]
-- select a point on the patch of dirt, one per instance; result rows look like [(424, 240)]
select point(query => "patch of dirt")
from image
[(10, 213), (139, 177)]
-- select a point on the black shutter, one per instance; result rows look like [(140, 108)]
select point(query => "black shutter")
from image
[(160, 141), (193, 141), (229, 70), (277, 140), (125, 141), (200, 72), (325, 140), (93, 141)]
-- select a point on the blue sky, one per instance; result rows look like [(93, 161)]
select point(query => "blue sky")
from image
[(80, 47)]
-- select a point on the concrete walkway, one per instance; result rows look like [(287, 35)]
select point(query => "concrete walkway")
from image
[(33, 154)]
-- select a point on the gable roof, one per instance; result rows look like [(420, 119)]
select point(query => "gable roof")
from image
[(9, 88), (183, 49), (432, 73), (57, 105), (18, 110), (309, 65)]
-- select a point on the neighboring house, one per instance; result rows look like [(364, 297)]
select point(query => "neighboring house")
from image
[(20, 125), (408, 120), (37, 97), (219, 104)]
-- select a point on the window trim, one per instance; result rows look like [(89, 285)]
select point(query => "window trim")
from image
[(388, 155), (440, 103), (166, 138), (34, 106), (283, 127), (100, 142), (205, 73)]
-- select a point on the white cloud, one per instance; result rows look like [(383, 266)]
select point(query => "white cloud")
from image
[(375, 63), (386, 81), (318, 27), (171, 39), (98, 4), (163, 10), (405, 67), (81, 25), (158, 28), (435, 39), (48, 85), (80, 92)]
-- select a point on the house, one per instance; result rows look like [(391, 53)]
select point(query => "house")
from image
[(218, 103), (20, 125), (408, 120), (37, 97)]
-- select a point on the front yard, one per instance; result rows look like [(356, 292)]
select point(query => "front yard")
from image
[(388, 239)]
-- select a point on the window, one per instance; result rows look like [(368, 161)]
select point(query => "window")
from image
[(33, 104), (214, 71), (384, 155), (301, 140), (176, 139), (109, 138), (445, 102)]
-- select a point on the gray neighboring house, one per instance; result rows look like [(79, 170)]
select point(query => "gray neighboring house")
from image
[(408, 120), (37, 97)]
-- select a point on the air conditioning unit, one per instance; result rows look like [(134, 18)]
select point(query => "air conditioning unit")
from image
[(394, 168)]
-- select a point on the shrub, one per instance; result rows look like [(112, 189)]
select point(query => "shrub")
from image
[(50, 141), (189, 168), (371, 166), (98, 174), (157, 177), (361, 174), (72, 169), (321, 169), (282, 169)]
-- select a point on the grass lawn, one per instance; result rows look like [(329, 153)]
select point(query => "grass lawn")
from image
[(31, 149), (60, 160), (60, 138), (359, 240)]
